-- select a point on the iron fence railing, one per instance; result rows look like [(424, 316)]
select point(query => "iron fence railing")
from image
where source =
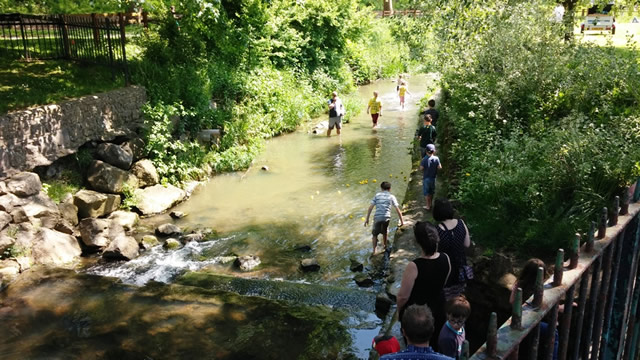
[(92, 38), (601, 277)]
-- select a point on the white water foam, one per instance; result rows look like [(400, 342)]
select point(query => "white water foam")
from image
[(158, 264)]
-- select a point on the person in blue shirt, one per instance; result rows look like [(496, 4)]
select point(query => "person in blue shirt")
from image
[(429, 165), (417, 328)]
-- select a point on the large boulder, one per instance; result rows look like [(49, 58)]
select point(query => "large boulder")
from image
[(146, 173), (110, 179), (156, 199), (126, 219), (121, 248), (69, 212), (3, 188), (5, 219), (24, 184), (54, 248), (168, 230), (135, 147), (7, 239), (114, 155), (39, 205), (95, 233), (95, 204), (19, 215), (310, 264), (149, 241)]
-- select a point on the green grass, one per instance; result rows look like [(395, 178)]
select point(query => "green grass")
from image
[(28, 83)]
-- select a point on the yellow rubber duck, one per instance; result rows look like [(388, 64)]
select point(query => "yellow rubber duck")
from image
[(374, 180)]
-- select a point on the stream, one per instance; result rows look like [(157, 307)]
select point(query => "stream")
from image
[(193, 303)]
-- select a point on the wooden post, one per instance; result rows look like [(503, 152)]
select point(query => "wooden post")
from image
[(24, 39), (592, 231), (145, 19), (65, 38), (123, 40), (575, 252), (387, 6), (96, 32), (625, 200), (614, 211)]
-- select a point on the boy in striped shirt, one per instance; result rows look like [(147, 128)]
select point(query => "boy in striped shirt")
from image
[(382, 202)]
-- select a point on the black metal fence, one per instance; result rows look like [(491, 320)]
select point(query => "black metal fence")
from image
[(93, 38), (598, 289)]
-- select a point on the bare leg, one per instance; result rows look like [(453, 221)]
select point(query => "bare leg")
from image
[(338, 131), (329, 132), (429, 198), (384, 240), (374, 240)]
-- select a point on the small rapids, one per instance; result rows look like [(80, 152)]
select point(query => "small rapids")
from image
[(158, 264)]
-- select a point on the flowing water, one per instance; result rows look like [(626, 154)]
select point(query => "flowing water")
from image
[(310, 203)]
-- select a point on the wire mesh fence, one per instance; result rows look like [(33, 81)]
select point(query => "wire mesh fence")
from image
[(92, 38)]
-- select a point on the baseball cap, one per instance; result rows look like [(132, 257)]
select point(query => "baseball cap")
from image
[(385, 344), (431, 148)]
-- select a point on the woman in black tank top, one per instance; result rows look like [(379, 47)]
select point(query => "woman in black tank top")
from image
[(425, 277)]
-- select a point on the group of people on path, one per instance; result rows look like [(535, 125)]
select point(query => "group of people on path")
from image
[(374, 106)]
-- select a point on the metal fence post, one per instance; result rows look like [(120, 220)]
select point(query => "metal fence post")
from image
[(108, 26), (24, 39), (123, 38), (65, 38)]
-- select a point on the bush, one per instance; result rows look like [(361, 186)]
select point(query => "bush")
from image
[(532, 139)]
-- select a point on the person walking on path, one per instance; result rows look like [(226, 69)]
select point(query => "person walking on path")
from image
[(375, 108), (454, 239), (452, 335), (431, 110), (336, 112), (427, 135), (417, 329), (382, 202), (402, 91), (400, 79), (424, 278), (429, 165)]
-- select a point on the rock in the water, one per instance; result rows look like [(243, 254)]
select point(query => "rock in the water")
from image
[(24, 184), (356, 266), (135, 147), (149, 241), (114, 155), (363, 280), (95, 233), (383, 304), (9, 268), (168, 230), (126, 219), (247, 262), (51, 247), (5, 219), (69, 212), (171, 244), (265, 168), (192, 186), (110, 179), (121, 248), (156, 199), (226, 259), (303, 248), (192, 237), (94, 204), (177, 214), (309, 265), (146, 173)]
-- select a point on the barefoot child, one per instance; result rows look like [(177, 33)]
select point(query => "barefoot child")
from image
[(374, 108), (402, 90), (429, 165), (382, 202)]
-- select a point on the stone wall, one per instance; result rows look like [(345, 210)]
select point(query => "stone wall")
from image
[(40, 135)]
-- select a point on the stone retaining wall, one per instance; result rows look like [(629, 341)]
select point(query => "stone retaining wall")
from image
[(40, 135)]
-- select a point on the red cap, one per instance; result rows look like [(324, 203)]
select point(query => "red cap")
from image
[(385, 344)]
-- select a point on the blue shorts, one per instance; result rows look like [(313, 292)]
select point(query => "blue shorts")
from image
[(428, 186)]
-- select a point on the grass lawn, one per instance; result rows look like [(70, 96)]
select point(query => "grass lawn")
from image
[(27, 83)]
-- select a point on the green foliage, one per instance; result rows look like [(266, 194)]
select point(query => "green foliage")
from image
[(79, 6), (540, 133), (129, 197), (68, 182), (175, 160)]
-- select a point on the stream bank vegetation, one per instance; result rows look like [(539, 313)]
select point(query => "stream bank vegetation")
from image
[(540, 132)]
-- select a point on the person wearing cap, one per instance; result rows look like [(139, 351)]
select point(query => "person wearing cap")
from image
[(426, 134), (417, 329), (385, 344), (429, 165)]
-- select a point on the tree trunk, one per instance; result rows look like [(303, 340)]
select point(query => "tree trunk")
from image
[(569, 18)]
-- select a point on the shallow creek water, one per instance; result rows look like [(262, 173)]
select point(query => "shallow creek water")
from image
[(314, 195)]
